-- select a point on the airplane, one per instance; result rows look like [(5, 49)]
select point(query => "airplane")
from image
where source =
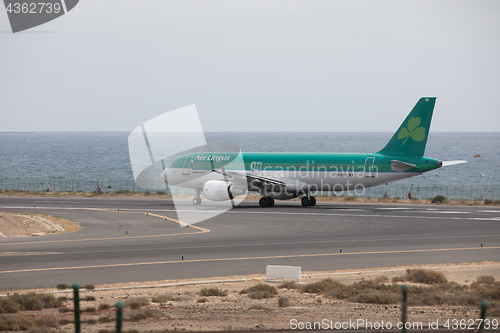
[(222, 176)]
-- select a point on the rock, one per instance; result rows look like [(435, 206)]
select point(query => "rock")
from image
[(261, 327)]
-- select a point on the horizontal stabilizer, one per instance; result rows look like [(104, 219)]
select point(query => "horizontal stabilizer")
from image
[(401, 166), (448, 163)]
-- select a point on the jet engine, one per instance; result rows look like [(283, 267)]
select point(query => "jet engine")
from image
[(217, 190)]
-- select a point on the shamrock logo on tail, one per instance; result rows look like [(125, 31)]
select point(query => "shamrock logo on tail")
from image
[(413, 131)]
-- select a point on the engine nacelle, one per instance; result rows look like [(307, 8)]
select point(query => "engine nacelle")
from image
[(217, 190)]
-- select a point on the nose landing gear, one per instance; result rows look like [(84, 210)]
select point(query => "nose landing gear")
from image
[(197, 200)]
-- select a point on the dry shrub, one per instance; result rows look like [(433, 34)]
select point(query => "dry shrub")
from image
[(288, 285), (29, 302), (212, 292), (321, 287), (202, 300), (485, 279), (283, 302), (15, 323), (426, 276), (107, 319), (256, 307), (141, 314), (381, 279), (378, 298), (166, 297), (439, 199), (104, 306), (7, 305), (136, 303), (396, 279), (21, 323), (260, 291)]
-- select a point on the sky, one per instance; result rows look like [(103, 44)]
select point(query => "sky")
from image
[(287, 66)]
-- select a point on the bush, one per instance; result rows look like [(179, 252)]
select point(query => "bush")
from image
[(104, 307), (426, 276), (378, 298), (496, 202), (202, 300), (260, 291), (283, 302), (488, 201), (142, 314), (136, 303), (36, 302), (7, 305), (396, 198), (321, 287), (119, 191), (288, 285), (161, 192), (383, 199), (135, 192), (146, 192), (486, 279), (439, 199), (351, 198), (126, 192), (112, 193), (212, 292), (167, 298)]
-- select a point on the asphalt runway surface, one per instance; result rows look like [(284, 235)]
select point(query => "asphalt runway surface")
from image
[(241, 241)]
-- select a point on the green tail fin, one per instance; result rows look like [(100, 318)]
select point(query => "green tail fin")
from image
[(411, 136)]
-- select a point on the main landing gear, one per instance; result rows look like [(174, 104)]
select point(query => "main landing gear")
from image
[(197, 200), (266, 202), (308, 201)]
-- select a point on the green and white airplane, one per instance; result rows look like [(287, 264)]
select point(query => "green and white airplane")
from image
[(282, 176)]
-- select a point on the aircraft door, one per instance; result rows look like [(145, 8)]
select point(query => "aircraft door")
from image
[(186, 168), (368, 170)]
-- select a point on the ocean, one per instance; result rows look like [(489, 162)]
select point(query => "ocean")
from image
[(63, 157)]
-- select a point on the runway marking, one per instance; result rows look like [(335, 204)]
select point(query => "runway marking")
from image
[(253, 244), (243, 258), (267, 212), (201, 230)]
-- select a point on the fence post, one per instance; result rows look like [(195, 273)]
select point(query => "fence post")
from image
[(404, 307), (76, 299), (119, 313), (484, 306)]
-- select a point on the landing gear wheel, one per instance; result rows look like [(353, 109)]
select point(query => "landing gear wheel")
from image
[(196, 201), (311, 201), (266, 202)]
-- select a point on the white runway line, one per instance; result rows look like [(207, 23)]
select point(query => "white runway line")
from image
[(267, 212)]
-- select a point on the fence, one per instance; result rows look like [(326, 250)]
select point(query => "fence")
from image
[(453, 192), (76, 184)]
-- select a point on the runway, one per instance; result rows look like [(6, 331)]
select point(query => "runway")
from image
[(241, 241)]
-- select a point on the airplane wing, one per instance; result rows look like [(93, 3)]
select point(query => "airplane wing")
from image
[(266, 180)]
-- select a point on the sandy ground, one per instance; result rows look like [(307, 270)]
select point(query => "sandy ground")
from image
[(28, 224), (239, 312)]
